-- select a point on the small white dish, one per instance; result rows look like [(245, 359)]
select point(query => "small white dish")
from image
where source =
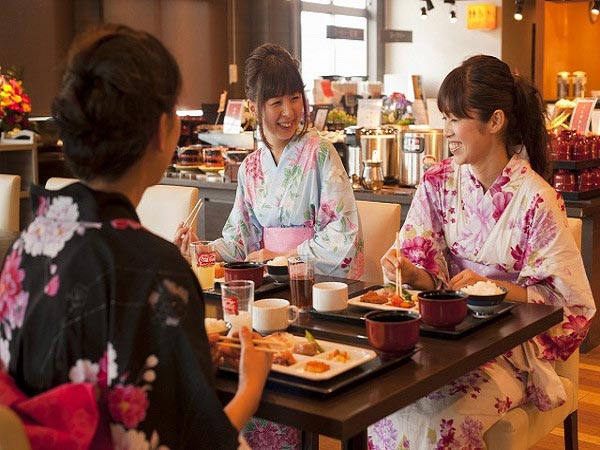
[(330, 296)]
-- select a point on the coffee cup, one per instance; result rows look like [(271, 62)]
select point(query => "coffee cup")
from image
[(273, 314), (330, 296)]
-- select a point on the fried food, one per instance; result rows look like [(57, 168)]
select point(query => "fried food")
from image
[(316, 366), (284, 358), (373, 297), (338, 355)]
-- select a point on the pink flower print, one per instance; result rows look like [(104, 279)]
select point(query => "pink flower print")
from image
[(385, 435), (518, 255), (327, 212), (358, 267), (254, 170), (306, 156), (42, 208), (346, 262), (559, 347), (447, 432), (123, 224), (500, 200), (264, 435), (128, 405), (421, 251), (107, 366), (52, 287), (471, 434), (538, 397), (438, 174), (579, 325), (502, 405), (13, 300)]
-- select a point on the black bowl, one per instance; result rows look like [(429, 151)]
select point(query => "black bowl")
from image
[(279, 273), (485, 305)]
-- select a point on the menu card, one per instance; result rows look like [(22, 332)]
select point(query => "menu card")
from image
[(369, 113), (582, 114), (232, 124)]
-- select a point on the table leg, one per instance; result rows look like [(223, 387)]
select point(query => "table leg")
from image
[(310, 441), (358, 442)]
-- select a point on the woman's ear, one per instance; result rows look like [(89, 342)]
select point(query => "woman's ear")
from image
[(497, 121)]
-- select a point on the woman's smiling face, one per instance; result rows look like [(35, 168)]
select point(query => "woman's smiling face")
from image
[(281, 117), (469, 141)]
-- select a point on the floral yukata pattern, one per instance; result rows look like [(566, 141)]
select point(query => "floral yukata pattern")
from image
[(308, 188), (515, 231), (89, 298)]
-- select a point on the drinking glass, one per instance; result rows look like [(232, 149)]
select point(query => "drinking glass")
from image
[(302, 279), (203, 263), (237, 297)]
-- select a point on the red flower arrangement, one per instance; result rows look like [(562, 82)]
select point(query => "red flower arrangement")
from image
[(15, 105)]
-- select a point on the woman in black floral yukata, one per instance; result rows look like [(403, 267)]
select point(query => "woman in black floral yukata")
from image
[(102, 340)]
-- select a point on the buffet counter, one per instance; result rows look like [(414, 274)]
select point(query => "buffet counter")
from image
[(219, 197)]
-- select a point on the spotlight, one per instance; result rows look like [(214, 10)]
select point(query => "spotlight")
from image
[(453, 18), (518, 10), (429, 5), (423, 13), (596, 8), (452, 2)]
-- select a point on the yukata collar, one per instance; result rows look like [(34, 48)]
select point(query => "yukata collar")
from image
[(514, 171)]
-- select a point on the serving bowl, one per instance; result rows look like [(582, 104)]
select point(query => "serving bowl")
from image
[(443, 308), (244, 271), (279, 273), (392, 332), (486, 305)]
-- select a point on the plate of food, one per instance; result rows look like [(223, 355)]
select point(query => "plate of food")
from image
[(315, 360), (385, 298)]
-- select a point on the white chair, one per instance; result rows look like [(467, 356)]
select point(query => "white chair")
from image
[(524, 426), (10, 188), (12, 432), (380, 222), (57, 183), (163, 207)]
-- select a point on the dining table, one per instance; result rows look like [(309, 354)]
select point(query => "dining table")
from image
[(347, 413)]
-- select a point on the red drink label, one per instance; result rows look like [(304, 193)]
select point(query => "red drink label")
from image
[(230, 306), (206, 260)]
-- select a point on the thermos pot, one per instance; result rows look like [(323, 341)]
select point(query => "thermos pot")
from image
[(381, 144), (420, 150)]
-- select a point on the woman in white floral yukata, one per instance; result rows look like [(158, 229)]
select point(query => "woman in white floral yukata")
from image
[(293, 195), (102, 338), (487, 214)]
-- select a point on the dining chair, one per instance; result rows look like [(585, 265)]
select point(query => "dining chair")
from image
[(57, 183), (12, 432), (163, 207), (522, 427), (380, 222), (10, 188)]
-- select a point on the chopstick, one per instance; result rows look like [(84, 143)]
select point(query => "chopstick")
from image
[(232, 340), (233, 345), (193, 213), (398, 272)]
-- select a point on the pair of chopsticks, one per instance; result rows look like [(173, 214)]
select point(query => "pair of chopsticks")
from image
[(195, 210), (398, 272), (231, 342)]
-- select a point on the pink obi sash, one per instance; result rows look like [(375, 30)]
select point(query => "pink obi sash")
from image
[(482, 269), (282, 240), (65, 417)]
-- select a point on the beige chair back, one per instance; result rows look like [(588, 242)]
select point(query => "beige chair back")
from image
[(380, 222), (162, 208), (10, 189), (12, 432), (575, 227), (57, 183)]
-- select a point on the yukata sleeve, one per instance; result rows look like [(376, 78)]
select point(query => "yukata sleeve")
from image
[(552, 270), (337, 245), (183, 408), (242, 233), (422, 238)]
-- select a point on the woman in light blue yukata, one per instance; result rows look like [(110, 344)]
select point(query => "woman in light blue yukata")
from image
[(293, 195)]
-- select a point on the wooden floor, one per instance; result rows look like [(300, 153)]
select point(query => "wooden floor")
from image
[(589, 410)]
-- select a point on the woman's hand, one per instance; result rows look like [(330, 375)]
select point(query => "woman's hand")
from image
[(465, 278), (182, 239), (391, 262), (262, 255)]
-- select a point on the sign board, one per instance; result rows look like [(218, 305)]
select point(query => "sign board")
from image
[(369, 113), (354, 34), (397, 36), (582, 115), (232, 124), (481, 16)]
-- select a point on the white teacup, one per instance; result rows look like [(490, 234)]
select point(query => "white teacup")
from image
[(273, 314), (330, 296)]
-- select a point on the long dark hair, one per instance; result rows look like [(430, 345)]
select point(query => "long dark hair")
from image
[(272, 72), (117, 83), (483, 84)]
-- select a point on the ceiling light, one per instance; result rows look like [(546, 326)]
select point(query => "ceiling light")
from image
[(596, 8), (452, 2), (423, 13), (453, 18), (429, 5), (518, 10)]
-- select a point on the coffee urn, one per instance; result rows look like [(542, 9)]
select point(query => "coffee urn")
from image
[(420, 150), (352, 161), (381, 144)]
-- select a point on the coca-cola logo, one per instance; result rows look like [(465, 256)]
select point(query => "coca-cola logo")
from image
[(230, 306), (206, 260)]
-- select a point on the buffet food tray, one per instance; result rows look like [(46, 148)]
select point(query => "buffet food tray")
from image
[(269, 286)]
